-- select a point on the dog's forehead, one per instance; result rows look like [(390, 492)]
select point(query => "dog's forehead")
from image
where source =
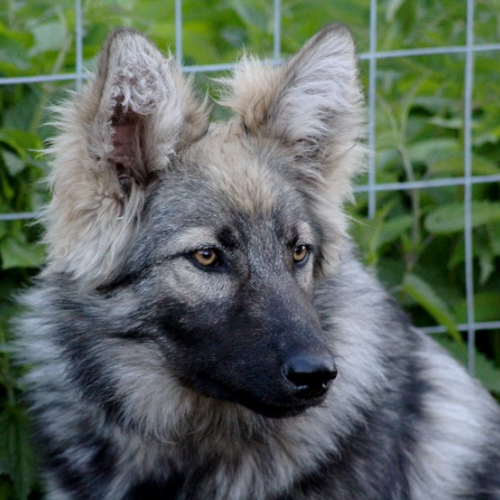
[(240, 170)]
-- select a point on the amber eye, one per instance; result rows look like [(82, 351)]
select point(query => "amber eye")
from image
[(300, 253), (206, 257)]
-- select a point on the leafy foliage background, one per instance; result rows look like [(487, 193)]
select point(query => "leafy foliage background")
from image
[(415, 241)]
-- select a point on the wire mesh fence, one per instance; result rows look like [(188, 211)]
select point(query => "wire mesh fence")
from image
[(373, 187)]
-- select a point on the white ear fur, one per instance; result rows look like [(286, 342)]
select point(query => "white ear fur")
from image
[(311, 102), (129, 121), (143, 96)]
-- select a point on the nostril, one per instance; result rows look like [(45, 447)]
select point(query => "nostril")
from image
[(310, 373)]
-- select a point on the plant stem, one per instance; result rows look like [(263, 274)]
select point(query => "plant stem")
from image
[(412, 258)]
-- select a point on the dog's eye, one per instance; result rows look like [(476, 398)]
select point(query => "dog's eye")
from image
[(206, 257), (300, 254)]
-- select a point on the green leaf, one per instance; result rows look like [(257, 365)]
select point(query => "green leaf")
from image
[(484, 166), (486, 307), (454, 164), (253, 13), (17, 452), (17, 254), (6, 189), (486, 257), (369, 232), (485, 370), (455, 123), (20, 141), (13, 163), (394, 227), (48, 36), (450, 218), (420, 291), (392, 8), (13, 56), (493, 231), (433, 149)]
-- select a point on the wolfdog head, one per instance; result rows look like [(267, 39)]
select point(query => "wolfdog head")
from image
[(189, 252)]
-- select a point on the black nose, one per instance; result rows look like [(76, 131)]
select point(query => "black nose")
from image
[(310, 373)]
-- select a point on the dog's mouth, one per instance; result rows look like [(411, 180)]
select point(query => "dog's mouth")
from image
[(275, 411), (290, 403)]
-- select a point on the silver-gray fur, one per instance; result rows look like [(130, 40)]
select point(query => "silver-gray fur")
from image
[(201, 295)]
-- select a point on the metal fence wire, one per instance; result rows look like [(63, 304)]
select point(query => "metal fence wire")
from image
[(373, 56)]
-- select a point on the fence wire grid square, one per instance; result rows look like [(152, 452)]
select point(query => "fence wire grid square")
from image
[(372, 56)]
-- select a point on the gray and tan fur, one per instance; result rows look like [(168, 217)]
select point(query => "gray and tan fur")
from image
[(202, 329)]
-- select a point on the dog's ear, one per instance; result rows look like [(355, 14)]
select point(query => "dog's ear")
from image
[(313, 103), (133, 116), (146, 110)]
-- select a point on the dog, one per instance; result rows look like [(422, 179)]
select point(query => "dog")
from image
[(203, 330)]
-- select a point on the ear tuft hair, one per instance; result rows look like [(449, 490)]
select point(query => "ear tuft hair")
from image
[(311, 103)]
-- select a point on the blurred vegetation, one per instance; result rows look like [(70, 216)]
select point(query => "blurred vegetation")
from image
[(415, 241)]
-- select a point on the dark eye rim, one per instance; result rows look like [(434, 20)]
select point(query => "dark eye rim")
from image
[(305, 260), (218, 265)]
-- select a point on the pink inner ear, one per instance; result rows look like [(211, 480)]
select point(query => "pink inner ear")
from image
[(125, 147), (126, 155)]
